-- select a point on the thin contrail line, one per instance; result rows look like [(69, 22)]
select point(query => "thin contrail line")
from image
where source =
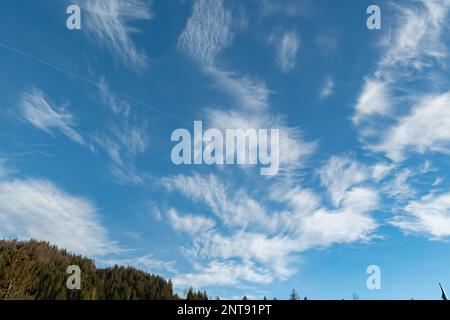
[(93, 83)]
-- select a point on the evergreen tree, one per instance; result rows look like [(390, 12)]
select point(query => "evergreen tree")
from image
[(190, 294), (37, 270), (294, 295), (18, 276)]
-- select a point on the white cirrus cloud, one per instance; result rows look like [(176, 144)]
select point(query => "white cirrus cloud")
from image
[(398, 187), (352, 222), (312, 224), (327, 88), (381, 170), (38, 209), (207, 32), (117, 106), (375, 99), (264, 257), (248, 93), (425, 128), (287, 44), (225, 260), (414, 49), (420, 29), (39, 112), (273, 254), (125, 138), (294, 149), (236, 210), (123, 144), (191, 224), (263, 241), (341, 174), (428, 216), (222, 273), (108, 22)]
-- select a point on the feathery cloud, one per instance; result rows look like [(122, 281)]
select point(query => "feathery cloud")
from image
[(208, 31), (420, 28), (374, 99), (38, 209), (429, 216), (249, 93), (122, 145), (222, 273), (124, 139), (265, 244), (117, 106), (416, 45), (426, 128), (237, 210), (327, 88), (294, 149), (189, 223), (108, 22), (287, 47), (340, 174), (38, 111)]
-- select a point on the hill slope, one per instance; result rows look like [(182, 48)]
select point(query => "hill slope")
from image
[(37, 270)]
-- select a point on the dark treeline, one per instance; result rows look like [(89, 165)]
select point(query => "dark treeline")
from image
[(37, 270)]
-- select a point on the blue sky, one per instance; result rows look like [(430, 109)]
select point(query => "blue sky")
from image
[(86, 118)]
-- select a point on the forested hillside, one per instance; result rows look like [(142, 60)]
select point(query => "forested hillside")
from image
[(37, 270)]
